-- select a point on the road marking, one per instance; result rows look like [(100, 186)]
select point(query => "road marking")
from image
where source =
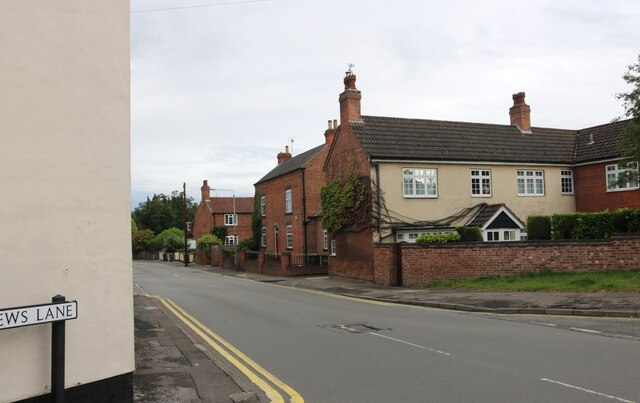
[(142, 289), (175, 275), (533, 322), (587, 390), (318, 278), (196, 325), (579, 329), (411, 344)]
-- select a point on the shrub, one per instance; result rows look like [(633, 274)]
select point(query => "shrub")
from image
[(247, 244), (626, 220), (438, 238), (538, 227), (173, 243), (204, 244), (159, 242), (593, 225), (563, 226), (470, 234), (220, 232), (140, 240)]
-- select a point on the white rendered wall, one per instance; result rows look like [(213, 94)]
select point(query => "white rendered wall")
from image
[(65, 179)]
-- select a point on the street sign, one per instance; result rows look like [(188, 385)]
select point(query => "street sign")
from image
[(38, 314)]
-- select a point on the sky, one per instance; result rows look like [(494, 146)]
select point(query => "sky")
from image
[(218, 89)]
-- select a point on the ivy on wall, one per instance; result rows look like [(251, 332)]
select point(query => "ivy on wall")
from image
[(344, 204)]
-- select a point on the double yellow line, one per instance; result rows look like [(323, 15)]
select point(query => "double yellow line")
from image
[(252, 370)]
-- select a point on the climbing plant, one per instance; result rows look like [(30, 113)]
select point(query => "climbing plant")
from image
[(344, 204)]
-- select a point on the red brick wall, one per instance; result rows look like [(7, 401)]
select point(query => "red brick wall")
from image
[(242, 230), (354, 255), (203, 222), (591, 190), (422, 264)]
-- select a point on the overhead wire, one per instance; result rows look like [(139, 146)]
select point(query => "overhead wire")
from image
[(231, 3)]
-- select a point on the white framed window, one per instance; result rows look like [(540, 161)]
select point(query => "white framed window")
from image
[(263, 206), (400, 237), (480, 183), (419, 182), (530, 183), (230, 219), (325, 239), (189, 227), (263, 237), (289, 232), (333, 247), (231, 240), (502, 235), (493, 236), (614, 171), (566, 182), (288, 204)]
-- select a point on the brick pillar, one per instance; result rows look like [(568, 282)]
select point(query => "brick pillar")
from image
[(261, 262), (216, 256), (285, 262)]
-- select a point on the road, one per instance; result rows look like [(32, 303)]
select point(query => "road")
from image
[(336, 349)]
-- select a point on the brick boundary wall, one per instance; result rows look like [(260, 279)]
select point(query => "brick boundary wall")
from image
[(284, 268), (422, 264)]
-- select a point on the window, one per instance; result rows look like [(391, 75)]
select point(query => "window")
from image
[(418, 182), (615, 170), (263, 206), (263, 237), (566, 182), (400, 237), (230, 219), (506, 235), (530, 183), (231, 240), (189, 226), (289, 237), (493, 236), (480, 183), (325, 239), (288, 205), (333, 247)]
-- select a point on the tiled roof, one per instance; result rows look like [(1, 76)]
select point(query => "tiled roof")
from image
[(600, 142), (486, 212), (421, 139), (291, 165), (221, 205)]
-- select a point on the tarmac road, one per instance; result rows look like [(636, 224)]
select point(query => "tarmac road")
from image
[(336, 349)]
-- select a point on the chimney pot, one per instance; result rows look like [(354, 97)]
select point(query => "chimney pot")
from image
[(285, 156), (205, 190), (349, 100)]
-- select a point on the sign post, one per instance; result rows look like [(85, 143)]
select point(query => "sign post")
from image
[(56, 313)]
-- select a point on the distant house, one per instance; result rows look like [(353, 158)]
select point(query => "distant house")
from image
[(234, 213), (290, 201), (430, 176)]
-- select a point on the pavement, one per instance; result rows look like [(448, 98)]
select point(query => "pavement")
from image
[(172, 365)]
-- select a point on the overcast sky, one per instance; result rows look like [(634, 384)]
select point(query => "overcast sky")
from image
[(218, 91)]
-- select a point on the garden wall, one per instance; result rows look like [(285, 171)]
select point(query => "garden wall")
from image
[(412, 265)]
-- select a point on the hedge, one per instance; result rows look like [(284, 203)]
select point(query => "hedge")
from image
[(438, 238), (538, 227), (470, 234)]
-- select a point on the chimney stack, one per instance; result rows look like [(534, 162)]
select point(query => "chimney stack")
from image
[(520, 113), (285, 156), (330, 133), (205, 190), (349, 99)]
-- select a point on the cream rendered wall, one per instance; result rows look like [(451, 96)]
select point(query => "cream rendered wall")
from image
[(65, 177), (454, 190)]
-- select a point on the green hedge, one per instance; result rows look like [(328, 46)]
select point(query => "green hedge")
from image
[(470, 234), (563, 226), (626, 220), (204, 244), (593, 225), (538, 227), (438, 238)]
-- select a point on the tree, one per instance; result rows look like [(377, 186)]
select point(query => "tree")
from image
[(630, 144), (140, 240), (162, 212)]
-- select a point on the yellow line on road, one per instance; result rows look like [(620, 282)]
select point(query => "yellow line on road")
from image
[(193, 324), (295, 396)]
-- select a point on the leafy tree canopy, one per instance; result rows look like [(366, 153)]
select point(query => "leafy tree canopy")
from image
[(162, 212), (630, 144)]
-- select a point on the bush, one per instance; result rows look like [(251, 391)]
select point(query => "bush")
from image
[(593, 225), (173, 243), (563, 226), (438, 238), (626, 220), (247, 244), (220, 232), (538, 227), (470, 234), (159, 242), (141, 240), (204, 244)]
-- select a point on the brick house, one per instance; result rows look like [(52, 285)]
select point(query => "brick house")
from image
[(430, 176), (219, 211), (290, 201)]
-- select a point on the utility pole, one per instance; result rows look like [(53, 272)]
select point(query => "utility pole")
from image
[(186, 246)]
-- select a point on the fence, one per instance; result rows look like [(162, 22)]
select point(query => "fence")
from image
[(285, 264)]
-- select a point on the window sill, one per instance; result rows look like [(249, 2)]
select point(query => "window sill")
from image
[(420, 197), (622, 190), (482, 196), (526, 195)]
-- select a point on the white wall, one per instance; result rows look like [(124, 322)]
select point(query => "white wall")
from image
[(65, 178)]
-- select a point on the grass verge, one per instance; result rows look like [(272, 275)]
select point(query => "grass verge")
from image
[(547, 281)]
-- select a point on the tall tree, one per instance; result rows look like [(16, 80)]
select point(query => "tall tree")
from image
[(162, 212), (630, 144)]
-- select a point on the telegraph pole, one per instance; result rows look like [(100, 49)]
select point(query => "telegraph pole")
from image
[(186, 246)]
